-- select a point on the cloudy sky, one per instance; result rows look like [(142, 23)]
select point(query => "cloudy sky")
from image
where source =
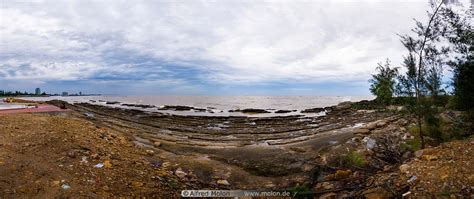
[(196, 47)]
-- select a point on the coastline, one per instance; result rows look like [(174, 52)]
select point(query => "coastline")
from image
[(156, 154)]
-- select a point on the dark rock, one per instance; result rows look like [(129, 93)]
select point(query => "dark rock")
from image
[(200, 109), (176, 108), (115, 102), (329, 108), (343, 106), (139, 105), (283, 111), (250, 111), (313, 110)]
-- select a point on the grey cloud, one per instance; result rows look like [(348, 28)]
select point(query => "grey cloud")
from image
[(233, 41)]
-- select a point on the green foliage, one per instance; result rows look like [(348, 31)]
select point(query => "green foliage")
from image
[(383, 83), (366, 105), (353, 159), (403, 100), (434, 126), (464, 86), (300, 192), (460, 35), (424, 73), (411, 145)]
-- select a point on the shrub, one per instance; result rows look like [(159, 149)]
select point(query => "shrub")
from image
[(353, 159)]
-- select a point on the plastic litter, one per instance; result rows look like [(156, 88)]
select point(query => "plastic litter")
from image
[(369, 143), (65, 186), (100, 165)]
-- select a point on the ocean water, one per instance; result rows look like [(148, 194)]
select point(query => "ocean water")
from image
[(220, 105)]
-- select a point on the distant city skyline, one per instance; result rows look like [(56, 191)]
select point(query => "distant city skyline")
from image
[(202, 48)]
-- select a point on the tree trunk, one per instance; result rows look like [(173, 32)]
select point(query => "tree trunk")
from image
[(420, 133), (419, 112)]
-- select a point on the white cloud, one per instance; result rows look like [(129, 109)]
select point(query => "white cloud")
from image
[(230, 42)]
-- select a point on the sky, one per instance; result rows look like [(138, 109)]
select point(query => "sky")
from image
[(228, 47)]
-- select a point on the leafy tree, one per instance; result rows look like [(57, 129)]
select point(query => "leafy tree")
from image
[(459, 33), (383, 83), (423, 64)]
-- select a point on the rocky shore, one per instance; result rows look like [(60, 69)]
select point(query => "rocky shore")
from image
[(351, 151)]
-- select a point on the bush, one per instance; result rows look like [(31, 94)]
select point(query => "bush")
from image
[(411, 145), (353, 159)]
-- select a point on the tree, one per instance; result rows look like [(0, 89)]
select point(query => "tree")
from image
[(460, 34), (383, 83), (423, 62)]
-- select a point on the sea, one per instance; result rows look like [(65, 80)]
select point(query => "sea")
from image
[(216, 105)]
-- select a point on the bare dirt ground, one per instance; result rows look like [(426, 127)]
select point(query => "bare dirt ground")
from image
[(46, 156), (99, 152), (445, 171)]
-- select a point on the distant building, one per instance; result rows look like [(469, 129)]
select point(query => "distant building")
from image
[(472, 8), (446, 2), (2, 92), (80, 93), (65, 94), (451, 1), (37, 91)]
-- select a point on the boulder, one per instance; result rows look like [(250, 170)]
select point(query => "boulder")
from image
[(362, 131), (313, 110), (371, 126), (344, 105), (250, 111), (176, 108), (283, 111)]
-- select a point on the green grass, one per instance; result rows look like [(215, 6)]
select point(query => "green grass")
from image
[(412, 145), (353, 159), (300, 191)]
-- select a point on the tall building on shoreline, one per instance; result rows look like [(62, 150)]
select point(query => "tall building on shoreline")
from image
[(472, 8), (37, 91)]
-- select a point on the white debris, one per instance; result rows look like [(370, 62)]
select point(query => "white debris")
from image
[(84, 160), (369, 143), (65, 186), (100, 165)]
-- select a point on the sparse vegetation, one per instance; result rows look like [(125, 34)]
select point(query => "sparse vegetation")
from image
[(353, 159)]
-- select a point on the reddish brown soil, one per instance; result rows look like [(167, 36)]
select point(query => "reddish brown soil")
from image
[(40, 154)]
